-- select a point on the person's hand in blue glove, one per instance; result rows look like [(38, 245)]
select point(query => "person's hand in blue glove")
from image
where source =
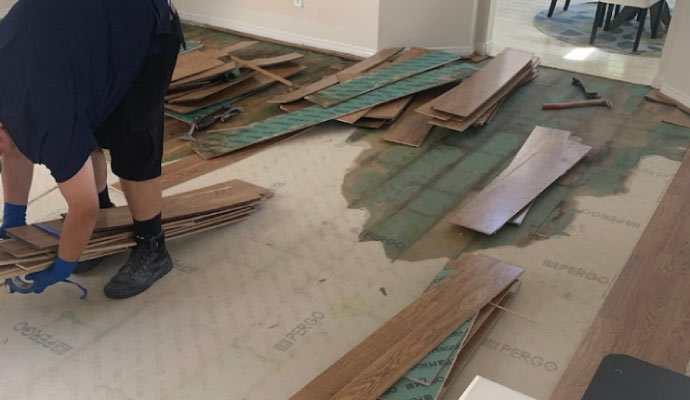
[(13, 215), (60, 271)]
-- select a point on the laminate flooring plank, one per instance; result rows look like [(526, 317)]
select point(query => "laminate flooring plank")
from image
[(34, 237), (331, 80), (678, 118), (503, 199), (19, 249), (257, 82), (201, 94), (412, 127), (656, 96), (477, 90), (647, 312), (366, 83), (389, 111), (194, 62), (376, 364), (461, 126), (206, 75)]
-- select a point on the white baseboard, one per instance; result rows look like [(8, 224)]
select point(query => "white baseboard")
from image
[(484, 48), (278, 35), (682, 98), (457, 50), (3, 12)]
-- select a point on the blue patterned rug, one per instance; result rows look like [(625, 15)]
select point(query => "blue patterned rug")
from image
[(575, 26)]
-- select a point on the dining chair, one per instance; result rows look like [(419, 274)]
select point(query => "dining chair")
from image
[(552, 7), (642, 7)]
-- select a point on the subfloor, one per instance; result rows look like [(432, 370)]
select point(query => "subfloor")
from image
[(356, 232), (514, 28)]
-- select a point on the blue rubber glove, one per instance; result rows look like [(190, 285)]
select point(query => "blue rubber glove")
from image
[(13, 215), (60, 271)]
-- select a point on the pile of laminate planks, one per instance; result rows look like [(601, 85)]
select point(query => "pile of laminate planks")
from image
[(475, 101), (208, 78), (546, 155), (33, 247), (417, 353)]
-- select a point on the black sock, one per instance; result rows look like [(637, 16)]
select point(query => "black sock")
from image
[(104, 199), (149, 228)]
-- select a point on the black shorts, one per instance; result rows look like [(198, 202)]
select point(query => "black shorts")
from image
[(133, 132)]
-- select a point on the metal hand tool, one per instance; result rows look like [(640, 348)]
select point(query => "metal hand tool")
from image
[(204, 123), (588, 95)]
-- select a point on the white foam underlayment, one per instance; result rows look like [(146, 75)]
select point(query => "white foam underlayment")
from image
[(256, 310)]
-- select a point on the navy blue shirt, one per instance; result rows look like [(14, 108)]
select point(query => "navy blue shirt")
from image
[(64, 67)]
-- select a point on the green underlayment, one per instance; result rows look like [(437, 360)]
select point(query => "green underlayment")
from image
[(256, 108), (408, 191)]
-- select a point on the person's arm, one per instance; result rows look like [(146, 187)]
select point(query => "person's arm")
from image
[(82, 209)]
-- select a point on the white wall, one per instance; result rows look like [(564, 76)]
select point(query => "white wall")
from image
[(349, 26), (438, 24), (673, 77)]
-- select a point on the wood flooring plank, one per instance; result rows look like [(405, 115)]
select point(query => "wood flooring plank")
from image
[(206, 75), (656, 96), (194, 62), (412, 127), (477, 90), (331, 80), (369, 82), (34, 237), (19, 249), (462, 126), (647, 312), (219, 144), (201, 94), (390, 111), (376, 364), (678, 118), (499, 202), (257, 82)]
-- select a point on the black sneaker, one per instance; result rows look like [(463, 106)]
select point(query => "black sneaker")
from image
[(147, 263), (86, 266)]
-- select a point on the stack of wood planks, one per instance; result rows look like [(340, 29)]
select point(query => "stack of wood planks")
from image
[(34, 247), (206, 79), (417, 353), (546, 156), (475, 101)]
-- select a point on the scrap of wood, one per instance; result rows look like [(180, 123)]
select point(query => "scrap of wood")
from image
[(520, 217), (265, 62), (238, 46), (370, 123), (218, 144), (499, 202), (678, 118), (389, 111), (412, 127), (295, 106), (656, 96), (331, 80), (375, 364), (488, 316), (260, 70), (194, 62), (477, 90), (257, 82), (366, 83), (207, 91), (19, 249), (204, 76), (353, 117)]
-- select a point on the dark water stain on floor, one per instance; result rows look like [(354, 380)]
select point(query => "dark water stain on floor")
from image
[(410, 192), (255, 106)]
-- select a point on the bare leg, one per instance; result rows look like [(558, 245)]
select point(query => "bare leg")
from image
[(17, 175), (144, 198), (100, 169)]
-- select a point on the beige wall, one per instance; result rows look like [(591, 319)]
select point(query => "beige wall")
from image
[(350, 26), (438, 24), (673, 77), (5, 6)]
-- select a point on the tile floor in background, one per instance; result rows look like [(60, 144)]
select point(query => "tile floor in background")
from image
[(514, 28)]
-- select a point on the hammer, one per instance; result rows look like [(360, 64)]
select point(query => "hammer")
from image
[(576, 104)]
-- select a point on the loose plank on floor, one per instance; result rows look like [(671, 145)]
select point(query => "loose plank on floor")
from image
[(647, 312), (475, 91), (331, 80), (412, 127), (503, 199), (374, 365)]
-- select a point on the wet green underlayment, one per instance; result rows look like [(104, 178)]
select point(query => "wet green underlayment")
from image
[(408, 191), (256, 108)]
